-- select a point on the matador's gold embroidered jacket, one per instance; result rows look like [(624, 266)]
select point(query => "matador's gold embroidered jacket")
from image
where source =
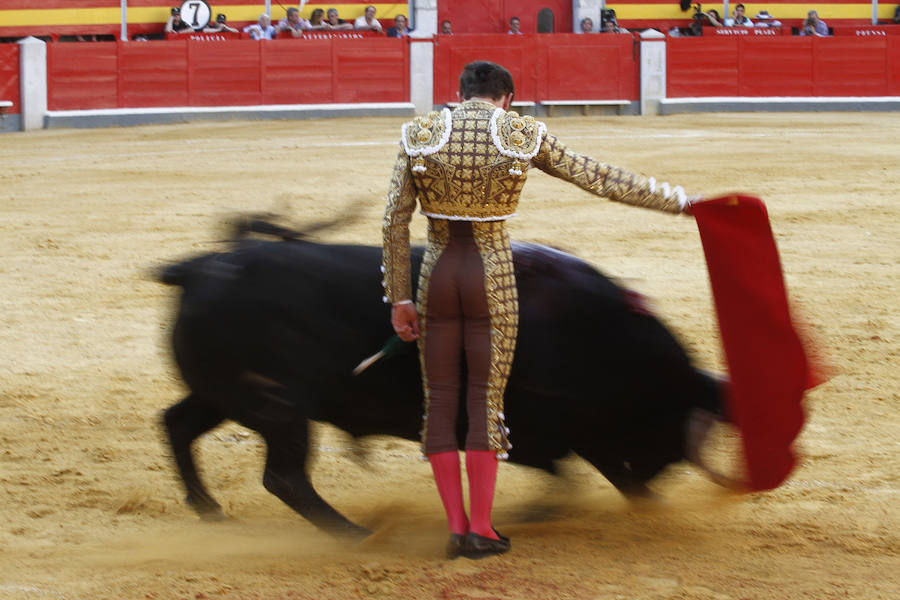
[(471, 164)]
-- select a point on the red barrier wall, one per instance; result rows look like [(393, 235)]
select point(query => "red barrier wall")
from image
[(544, 67), (9, 76), (492, 16), (228, 73), (783, 66)]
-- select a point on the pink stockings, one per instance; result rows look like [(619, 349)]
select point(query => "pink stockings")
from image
[(481, 467)]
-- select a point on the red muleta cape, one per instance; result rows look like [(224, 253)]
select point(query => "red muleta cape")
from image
[(767, 362)]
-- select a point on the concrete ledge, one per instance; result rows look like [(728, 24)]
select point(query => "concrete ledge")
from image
[(671, 106), (118, 117), (11, 123), (552, 105)]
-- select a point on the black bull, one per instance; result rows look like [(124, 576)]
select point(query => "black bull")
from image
[(267, 335)]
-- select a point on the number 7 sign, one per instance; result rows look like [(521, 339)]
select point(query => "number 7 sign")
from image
[(196, 12)]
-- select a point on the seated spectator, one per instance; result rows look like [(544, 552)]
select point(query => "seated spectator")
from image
[(368, 21), (764, 19), (176, 25), (399, 29), (813, 25), (514, 24), (317, 20), (612, 26), (897, 15), (219, 25), (586, 25), (446, 28), (712, 17), (739, 19), (262, 29), (335, 21), (293, 23)]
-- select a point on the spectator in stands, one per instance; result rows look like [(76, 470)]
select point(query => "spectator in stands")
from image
[(176, 25), (335, 21), (586, 25), (219, 25), (446, 28), (399, 29), (739, 19), (293, 23), (897, 15), (712, 17), (612, 26), (813, 25), (317, 20), (368, 21), (764, 19), (262, 29), (514, 24)]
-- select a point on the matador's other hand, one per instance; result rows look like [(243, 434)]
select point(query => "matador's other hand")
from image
[(405, 321)]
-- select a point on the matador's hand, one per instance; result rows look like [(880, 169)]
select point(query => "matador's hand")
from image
[(688, 208), (405, 321)]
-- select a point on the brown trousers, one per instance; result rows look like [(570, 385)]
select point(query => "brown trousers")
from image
[(459, 324)]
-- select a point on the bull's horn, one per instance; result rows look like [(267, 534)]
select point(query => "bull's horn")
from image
[(700, 422)]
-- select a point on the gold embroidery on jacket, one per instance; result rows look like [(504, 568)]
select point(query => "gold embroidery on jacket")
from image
[(395, 232), (468, 178), (604, 180)]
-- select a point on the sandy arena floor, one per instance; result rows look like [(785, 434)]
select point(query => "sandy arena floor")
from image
[(90, 504)]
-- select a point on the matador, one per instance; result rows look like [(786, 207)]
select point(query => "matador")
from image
[(466, 168)]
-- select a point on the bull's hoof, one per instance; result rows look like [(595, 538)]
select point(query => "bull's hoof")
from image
[(640, 496), (352, 533), (207, 511), (212, 515)]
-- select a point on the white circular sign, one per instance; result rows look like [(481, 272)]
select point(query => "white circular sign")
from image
[(196, 13)]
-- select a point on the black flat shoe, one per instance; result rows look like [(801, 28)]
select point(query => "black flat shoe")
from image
[(478, 546), (500, 535), (455, 545)]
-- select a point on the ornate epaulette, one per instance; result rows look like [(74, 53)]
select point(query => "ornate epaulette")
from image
[(425, 135), (517, 137)]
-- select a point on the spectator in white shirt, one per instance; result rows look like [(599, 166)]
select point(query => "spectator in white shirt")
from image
[(368, 21), (739, 19), (262, 29)]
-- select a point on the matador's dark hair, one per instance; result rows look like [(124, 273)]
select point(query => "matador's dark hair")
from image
[(485, 79)]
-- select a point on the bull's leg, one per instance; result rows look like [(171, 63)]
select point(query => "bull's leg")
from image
[(285, 477), (617, 472), (185, 422)]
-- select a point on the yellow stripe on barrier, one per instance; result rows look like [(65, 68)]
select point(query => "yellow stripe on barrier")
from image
[(156, 14), (779, 11)]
